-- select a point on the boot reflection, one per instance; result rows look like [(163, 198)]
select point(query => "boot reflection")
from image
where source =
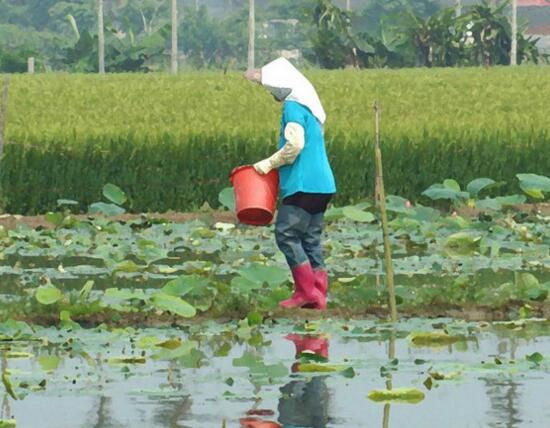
[(258, 423), (304, 403)]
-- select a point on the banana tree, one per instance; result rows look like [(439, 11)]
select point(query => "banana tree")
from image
[(332, 43), (434, 39), (487, 33), (124, 51)]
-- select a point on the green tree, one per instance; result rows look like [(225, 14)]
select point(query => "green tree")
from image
[(332, 43), (202, 39), (487, 34), (433, 39), (381, 13)]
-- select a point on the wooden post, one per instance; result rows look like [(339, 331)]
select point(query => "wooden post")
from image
[(514, 50), (3, 113), (6, 409), (251, 34), (174, 57), (30, 65), (384, 216), (100, 37), (389, 383)]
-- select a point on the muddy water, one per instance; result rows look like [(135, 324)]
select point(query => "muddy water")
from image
[(490, 383)]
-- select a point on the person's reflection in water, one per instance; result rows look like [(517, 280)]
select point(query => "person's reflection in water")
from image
[(304, 403)]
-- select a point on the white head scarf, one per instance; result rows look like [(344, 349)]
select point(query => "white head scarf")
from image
[(281, 74)]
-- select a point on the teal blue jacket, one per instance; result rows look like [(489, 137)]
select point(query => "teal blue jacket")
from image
[(311, 171)]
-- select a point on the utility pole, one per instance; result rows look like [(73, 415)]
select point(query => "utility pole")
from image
[(458, 7), (251, 34), (348, 5), (100, 37), (174, 56), (514, 50)]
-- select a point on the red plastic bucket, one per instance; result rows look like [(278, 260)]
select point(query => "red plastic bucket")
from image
[(255, 195)]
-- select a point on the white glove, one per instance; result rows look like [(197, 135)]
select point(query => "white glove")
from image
[(295, 141), (263, 167)]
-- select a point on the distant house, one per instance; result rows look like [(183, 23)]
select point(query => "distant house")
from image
[(542, 32), (295, 54), (285, 32)]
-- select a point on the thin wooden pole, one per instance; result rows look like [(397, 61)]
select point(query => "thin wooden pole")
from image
[(514, 50), (251, 34), (3, 113), (384, 215), (174, 57), (100, 37), (6, 409), (389, 381)]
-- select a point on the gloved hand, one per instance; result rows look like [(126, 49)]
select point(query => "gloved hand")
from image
[(263, 167)]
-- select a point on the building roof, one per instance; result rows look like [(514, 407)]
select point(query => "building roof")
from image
[(538, 29)]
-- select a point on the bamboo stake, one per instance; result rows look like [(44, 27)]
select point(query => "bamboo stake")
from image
[(389, 383), (6, 409), (384, 215), (3, 113)]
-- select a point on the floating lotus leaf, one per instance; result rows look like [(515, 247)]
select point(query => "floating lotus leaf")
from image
[(404, 395), (433, 338)]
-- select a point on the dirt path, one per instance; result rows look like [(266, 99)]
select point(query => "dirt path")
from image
[(475, 313), (11, 221)]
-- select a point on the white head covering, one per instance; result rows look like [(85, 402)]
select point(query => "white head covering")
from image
[(281, 74)]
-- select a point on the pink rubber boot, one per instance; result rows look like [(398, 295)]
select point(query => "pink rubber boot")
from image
[(321, 284), (305, 292), (311, 343), (321, 281)]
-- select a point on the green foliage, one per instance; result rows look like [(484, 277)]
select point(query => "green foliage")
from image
[(203, 40), (400, 33), (13, 62), (332, 43)]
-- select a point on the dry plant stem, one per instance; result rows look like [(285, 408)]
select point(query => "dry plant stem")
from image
[(3, 113), (384, 216)]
